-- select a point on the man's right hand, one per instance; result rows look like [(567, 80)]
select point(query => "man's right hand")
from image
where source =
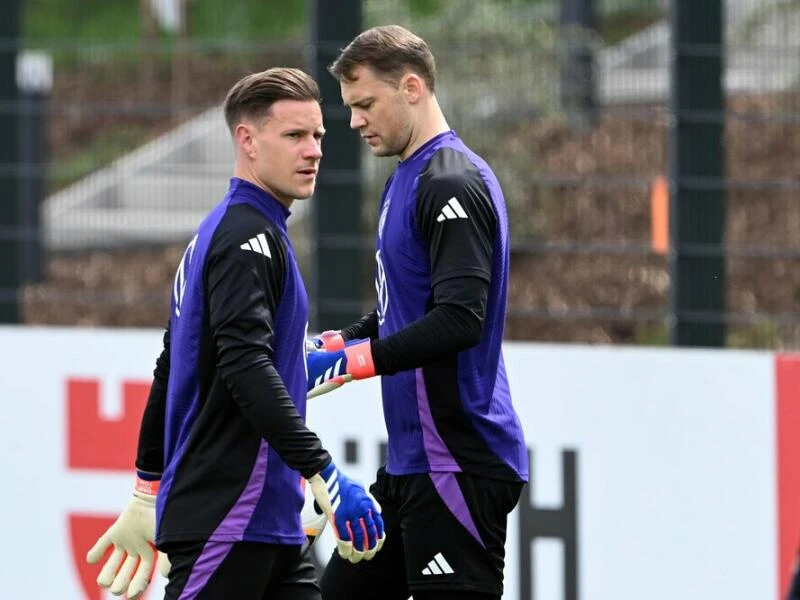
[(353, 513), (132, 537)]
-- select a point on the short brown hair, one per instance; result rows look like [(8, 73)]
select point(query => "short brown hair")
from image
[(253, 95), (390, 51)]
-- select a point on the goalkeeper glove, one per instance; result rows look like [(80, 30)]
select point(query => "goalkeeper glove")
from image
[(328, 370), (327, 340), (132, 536), (354, 514)]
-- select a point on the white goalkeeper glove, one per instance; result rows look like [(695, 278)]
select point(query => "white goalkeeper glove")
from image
[(130, 565), (354, 514)]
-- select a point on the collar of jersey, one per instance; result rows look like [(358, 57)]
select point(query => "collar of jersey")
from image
[(244, 192), (450, 133)]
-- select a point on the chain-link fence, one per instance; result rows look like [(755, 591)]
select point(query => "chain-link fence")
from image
[(573, 115)]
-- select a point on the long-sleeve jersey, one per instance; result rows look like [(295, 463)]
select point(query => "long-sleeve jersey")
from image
[(442, 270), (225, 419)]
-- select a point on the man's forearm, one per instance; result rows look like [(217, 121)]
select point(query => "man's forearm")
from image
[(150, 451), (445, 330), (260, 393)]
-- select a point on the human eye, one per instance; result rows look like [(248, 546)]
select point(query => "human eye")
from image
[(362, 105)]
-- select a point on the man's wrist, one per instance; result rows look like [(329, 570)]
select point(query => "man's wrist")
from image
[(319, 469), (147, 483)]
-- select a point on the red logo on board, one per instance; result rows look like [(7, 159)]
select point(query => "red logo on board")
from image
[(98, 444)]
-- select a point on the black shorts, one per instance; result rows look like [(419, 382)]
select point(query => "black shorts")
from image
[(240, 570), (444, 531)]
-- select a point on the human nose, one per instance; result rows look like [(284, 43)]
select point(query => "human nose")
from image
[(357, 121), (314, 149)]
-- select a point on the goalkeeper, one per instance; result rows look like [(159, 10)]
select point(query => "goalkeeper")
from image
[(456, 459), (223, 442)]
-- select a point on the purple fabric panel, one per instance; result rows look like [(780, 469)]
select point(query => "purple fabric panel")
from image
[(231, 529), (209, 561), (437, 453), (447, 486)]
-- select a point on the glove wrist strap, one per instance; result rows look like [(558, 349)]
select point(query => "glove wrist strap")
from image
[(144, 486), (359, 360)]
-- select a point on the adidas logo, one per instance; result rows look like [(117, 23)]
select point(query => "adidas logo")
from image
[(438, 566), (452, 210), (257, 244), (331, 373), (332, 483)]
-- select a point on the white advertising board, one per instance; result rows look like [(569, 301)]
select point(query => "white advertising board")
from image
[(655, 472)]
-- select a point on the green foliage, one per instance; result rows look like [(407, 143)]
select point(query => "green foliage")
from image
[(250, 20), (59, 20), (421, 9), (424, 8), (118, 20), (650, 334), (765, 334)]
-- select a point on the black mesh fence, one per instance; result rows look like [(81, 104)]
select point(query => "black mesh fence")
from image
[(568, 101)]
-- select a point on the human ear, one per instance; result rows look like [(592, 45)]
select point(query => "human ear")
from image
[(244, 139), (412, 87)]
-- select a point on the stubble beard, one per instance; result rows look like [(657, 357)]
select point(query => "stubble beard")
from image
[(388, 148)]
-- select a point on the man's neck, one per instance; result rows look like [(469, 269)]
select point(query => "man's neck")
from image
[(432, 124), (242, 172)]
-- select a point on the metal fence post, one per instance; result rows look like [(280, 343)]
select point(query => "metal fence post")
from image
[(9, 161), (35, 81), (697, 202), (339, 258), (579, 27)]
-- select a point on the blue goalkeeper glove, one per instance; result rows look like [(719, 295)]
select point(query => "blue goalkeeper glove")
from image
[(328, 370), (331, 341), (353, 513)]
